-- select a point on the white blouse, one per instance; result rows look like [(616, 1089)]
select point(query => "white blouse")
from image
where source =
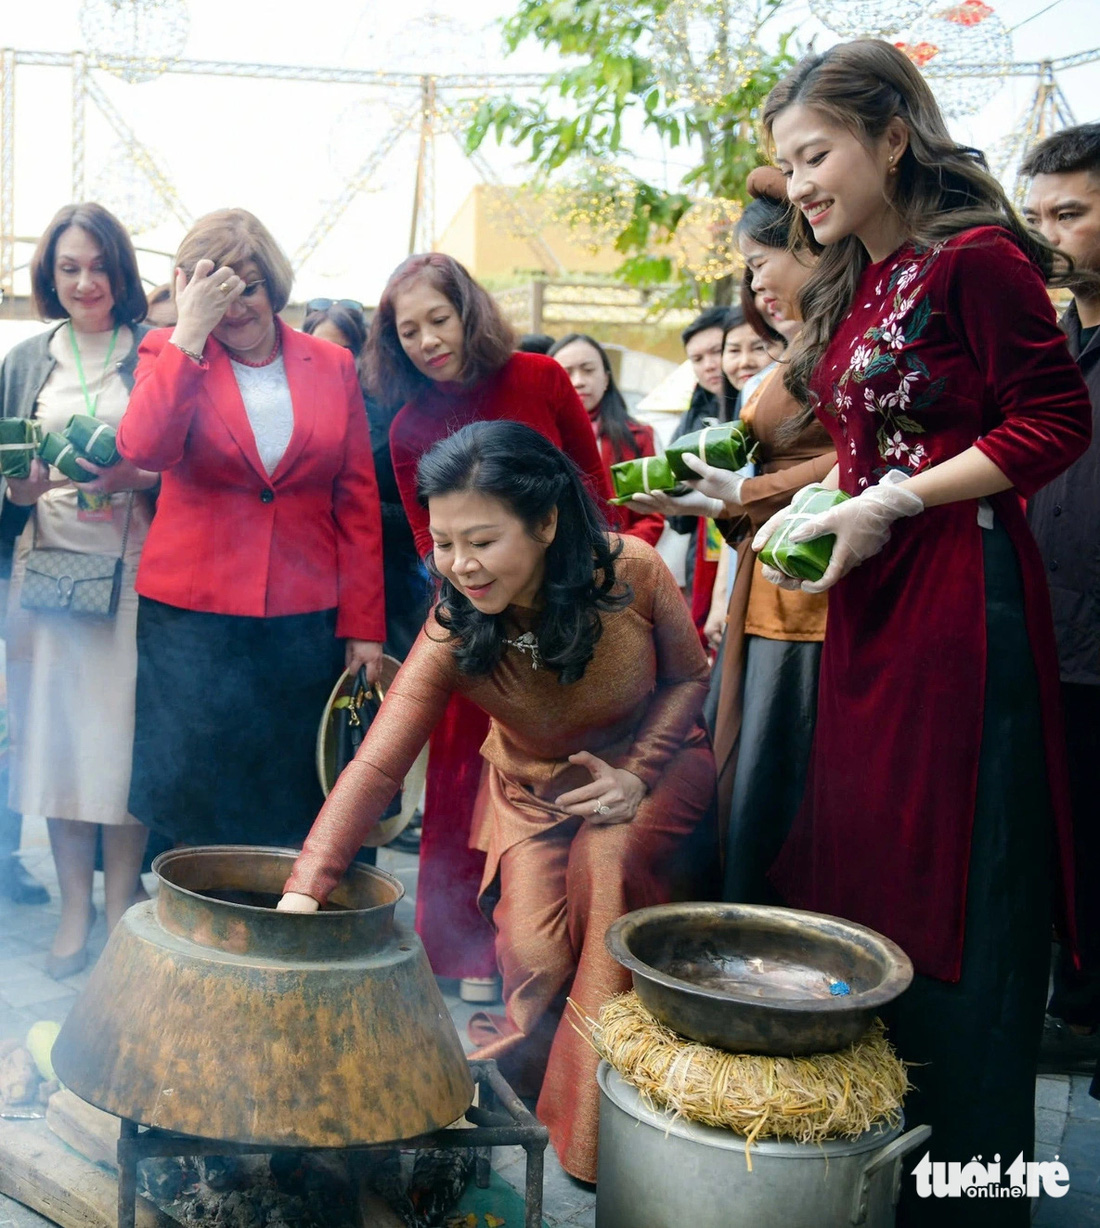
[(266, 396)]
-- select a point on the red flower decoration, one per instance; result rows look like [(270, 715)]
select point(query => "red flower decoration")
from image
[(919, 53), (968, 13)]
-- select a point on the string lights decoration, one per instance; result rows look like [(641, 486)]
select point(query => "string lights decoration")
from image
[(868, 18), (434, 42), (596, 201), (704, 50), (148, 34), (125, 187), (704, 245), (951, 40), (362, 123)]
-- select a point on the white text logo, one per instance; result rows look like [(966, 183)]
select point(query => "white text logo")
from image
[(1025, 1178)]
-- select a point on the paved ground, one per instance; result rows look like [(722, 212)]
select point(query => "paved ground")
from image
[(1067, 1120)]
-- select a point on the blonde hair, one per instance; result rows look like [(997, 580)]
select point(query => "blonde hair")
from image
[(233, 237)]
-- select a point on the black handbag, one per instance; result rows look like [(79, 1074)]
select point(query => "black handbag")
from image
[(352, 717)]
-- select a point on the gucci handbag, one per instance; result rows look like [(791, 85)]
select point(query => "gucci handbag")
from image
[(71, 582)]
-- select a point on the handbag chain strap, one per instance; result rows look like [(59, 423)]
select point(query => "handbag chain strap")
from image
[(125, 527)]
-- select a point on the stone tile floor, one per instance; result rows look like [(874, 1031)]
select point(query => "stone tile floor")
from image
[(1067, 1119)]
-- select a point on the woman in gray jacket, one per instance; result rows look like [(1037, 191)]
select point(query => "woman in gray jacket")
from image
[(70, 678)]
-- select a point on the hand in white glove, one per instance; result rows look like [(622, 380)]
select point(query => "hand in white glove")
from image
[(861, 525), (715, 493), (718, 484), (763, 535), (693, 503)]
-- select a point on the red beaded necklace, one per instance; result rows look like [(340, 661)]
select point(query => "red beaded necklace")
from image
[(263, 361)]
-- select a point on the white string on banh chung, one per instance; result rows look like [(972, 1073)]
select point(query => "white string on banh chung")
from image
[(103, 426)]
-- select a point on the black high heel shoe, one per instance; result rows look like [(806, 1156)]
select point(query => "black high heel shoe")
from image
[(60, 966)]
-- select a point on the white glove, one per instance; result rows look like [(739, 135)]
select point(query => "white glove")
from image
[(693, 503), (719, 484), (861, 525), (763, 535)]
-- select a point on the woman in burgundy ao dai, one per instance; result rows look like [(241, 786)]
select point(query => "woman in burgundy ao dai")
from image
[(935, 809)]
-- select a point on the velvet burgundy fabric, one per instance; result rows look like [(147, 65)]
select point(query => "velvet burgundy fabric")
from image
[(535, 390), (943, 348)]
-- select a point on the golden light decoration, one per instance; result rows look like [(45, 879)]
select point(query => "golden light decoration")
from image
[(952, 39), (704, 245), (868, 18), (706, 49), (151, 33), (126, 189), (596, 201)]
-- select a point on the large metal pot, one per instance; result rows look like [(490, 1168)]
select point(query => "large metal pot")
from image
[(209, 1013), (752, 978), (655, 1171)]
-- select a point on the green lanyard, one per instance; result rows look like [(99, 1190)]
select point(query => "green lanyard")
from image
[(89, 404)]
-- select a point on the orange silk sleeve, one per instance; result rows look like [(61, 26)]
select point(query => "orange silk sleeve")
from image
[(413, 706)]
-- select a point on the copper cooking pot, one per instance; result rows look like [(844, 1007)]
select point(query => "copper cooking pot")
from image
[(211, 1014)]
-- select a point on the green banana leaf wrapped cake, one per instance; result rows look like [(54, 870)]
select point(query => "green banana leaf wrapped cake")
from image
[(56, 450), (93, 439), (726, 446), (19, 438), (639, 477), (803, 560)]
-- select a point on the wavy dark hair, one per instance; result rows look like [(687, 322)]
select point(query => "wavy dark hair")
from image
[(119, 261), (941, 188), (613, 417), (488, 340), (515, 464)]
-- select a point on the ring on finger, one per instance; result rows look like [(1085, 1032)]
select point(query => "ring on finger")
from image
[(600, 808), (224, 287)]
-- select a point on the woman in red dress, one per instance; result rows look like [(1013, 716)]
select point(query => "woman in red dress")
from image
[(935, 809), (619, 436), (440, 347)]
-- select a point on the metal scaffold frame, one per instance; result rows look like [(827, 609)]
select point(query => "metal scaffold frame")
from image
[(432, 114), (428, 117)]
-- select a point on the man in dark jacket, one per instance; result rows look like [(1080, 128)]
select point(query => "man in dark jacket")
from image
[(1064, 204)]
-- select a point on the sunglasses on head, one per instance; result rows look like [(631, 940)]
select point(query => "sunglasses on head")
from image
[(323, 304)]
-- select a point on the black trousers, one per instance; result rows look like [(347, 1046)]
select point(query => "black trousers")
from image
[(1076, 997), (977, 1041)]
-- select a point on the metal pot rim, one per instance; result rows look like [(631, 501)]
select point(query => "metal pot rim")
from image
[(626, 1097), (894, 983), (165, 859)]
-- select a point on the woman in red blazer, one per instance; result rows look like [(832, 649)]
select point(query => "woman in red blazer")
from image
[(265, 551)]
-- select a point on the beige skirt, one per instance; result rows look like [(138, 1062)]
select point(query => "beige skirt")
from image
[(71, 704)]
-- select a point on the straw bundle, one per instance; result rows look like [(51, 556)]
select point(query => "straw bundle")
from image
[(798, 1099)]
